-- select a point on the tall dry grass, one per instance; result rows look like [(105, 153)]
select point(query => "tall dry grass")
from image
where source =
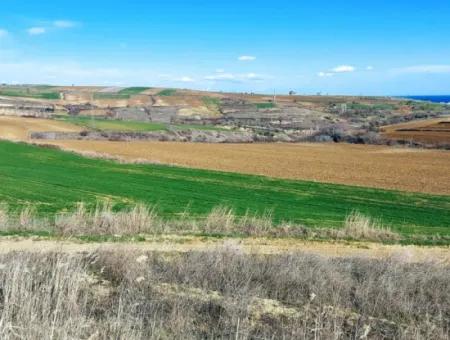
[(360, 227), (223, 294), (103, 220), (141, 219)]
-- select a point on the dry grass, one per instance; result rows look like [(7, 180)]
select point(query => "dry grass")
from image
[(360, 227), (223, 294), (103, 220), (405, 169), (144, 220)]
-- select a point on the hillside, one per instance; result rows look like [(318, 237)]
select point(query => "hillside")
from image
[(256, 117)]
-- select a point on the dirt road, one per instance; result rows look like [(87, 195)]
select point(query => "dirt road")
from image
[(247, 245)]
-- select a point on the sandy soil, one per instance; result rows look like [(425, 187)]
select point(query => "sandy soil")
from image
[(250, 246), (405, 169), (18, 129)]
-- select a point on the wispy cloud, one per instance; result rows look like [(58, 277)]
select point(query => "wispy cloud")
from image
[(235, 78), (325, 74), (36, 30), (221, 76), (246, 58), (369, 68), (185, 79), (343, 69), (48, 26), (3, 33), (336, 70), (64, 23), (253, 76), (432, 69)]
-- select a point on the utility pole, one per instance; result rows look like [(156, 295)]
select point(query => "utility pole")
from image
[(274, 96)]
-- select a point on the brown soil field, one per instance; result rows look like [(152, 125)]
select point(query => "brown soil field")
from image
[(174, 243), (425, 131), (414, 170), (18, 128)]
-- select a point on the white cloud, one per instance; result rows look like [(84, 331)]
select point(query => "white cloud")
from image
[(64, 23), (3, 33), (220, 70), (369, 68), (336, 70), (222, 77), (247, 58), (434, 69), (343, 69), (36, 30), (252, 76), (236, 78), (185, 79), (325, 74)]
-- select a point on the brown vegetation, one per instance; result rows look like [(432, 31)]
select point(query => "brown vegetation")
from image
[(221, 294)]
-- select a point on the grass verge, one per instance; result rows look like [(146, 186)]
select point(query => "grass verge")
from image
[(139, 222)]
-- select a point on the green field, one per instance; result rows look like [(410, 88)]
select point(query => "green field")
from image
[(125, 93), (114, 125), (129, 125), (167, 92), (262, 106), (56, 180), (37, 92), (131, 91)]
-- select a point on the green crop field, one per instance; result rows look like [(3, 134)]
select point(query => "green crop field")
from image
[(125, 93), (54, 180), (167, 92), (129, 125), (130, 91), (36, 92), (113, 125), (263, 106)]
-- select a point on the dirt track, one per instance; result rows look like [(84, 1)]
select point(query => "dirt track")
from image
[(250, 245)]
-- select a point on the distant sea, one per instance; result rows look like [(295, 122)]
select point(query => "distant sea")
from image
[(434, 99)]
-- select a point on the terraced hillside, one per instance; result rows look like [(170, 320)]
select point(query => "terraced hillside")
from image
[(281, 118)]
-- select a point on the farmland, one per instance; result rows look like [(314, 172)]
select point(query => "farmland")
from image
[(431, 131), (36, 92), (54, 180), (129, 125), (413, 170), (15, 128)]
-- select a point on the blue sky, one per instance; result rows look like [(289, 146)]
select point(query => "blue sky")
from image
[(336, 47)]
